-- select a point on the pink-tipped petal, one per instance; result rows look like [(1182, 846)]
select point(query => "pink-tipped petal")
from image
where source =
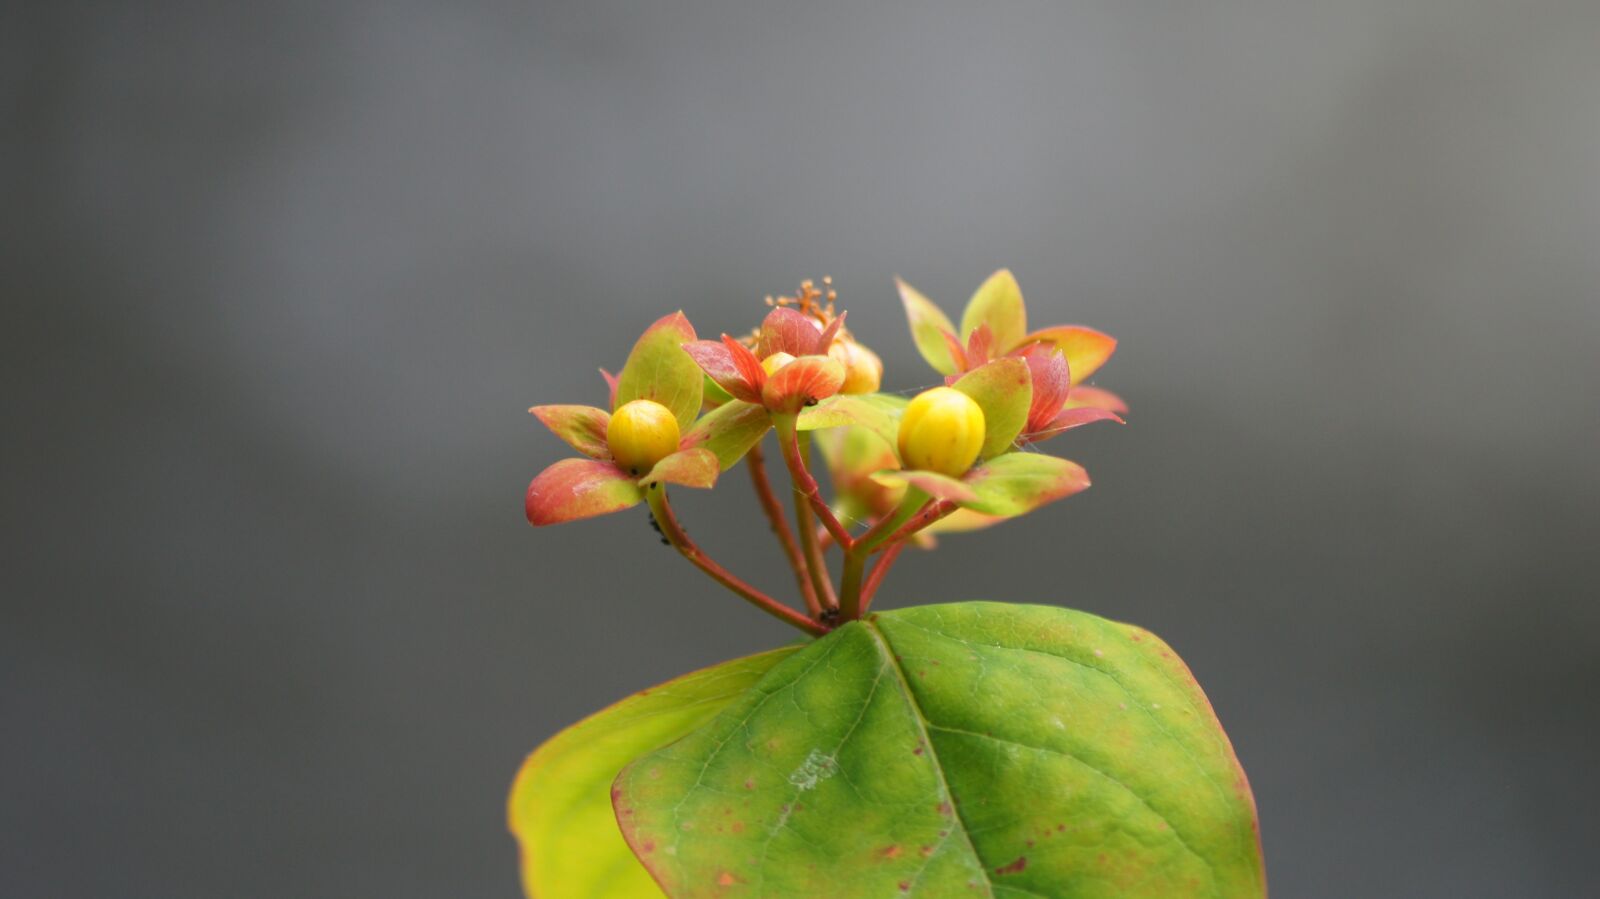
[(1017, 483), (1098, 397), (749, 366), (803, 382), (786, 330), (998, 304), (697, 467), (582, 427), (729, 431), (929, 328), (658, 369), (958, 353), (719, 365), (1003, 391), (980, 346), (579, 488), (825, 341), (611, 388), (1085, 348), (930, 482), (1052, 383), (1072, 418)]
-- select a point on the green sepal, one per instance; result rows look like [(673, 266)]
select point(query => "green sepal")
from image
[(929, 327), (1003, 389), (876, 413), (997, 303), (658, 369), (729, 430)]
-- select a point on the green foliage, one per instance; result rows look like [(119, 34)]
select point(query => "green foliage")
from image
[(969, 749)]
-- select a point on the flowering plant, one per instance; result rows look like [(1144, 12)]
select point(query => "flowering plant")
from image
[(970, 748)]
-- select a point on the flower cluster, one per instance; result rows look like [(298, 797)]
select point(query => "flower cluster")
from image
[(955, 457)]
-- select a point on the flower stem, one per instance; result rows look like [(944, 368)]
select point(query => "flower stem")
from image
[(856, 555), (796, 450), (657, 497), (875, 578), (794, 454), (780, 526)]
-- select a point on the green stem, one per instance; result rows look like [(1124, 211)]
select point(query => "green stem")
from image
[(855, 557)]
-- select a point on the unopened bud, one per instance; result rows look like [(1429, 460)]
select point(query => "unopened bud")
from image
[(942, 430), (772, 363), (863, 370), (641, 433)]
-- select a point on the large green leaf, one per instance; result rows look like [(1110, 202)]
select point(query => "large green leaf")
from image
[(560, 806), (877, 413), (976, 749)]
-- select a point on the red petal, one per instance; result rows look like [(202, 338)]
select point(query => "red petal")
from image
[(957, 355), (1073, 418), (582, 427), (980, 346), (802, 383), (831, 331), (1052, 383), (579, 488), (719, 365), (786, 331), (611, 385), (1098, 397), (749, 365)]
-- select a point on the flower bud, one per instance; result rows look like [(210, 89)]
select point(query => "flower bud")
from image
[(863, 370), (640, 434), (942, 431), (772, 363)]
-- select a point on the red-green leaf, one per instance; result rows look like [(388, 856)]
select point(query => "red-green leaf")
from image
[(1002, 389), (1016, 483), (1052, 382), (582, 427), (729, 431), (658, 369), (695, 467), (929, 482), (998, 304), (1085, 348), (579, 488), (929, 328)]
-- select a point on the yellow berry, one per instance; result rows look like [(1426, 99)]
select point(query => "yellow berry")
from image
[(942, 431), (772, 363), (863, 370), (641, 433)]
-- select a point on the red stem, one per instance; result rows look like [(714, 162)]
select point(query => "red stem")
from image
[(780, 526), (930, 513), (870, 588), (808, 487), (680, 540)]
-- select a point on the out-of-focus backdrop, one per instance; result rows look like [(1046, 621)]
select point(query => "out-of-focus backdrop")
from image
[(280, 280)]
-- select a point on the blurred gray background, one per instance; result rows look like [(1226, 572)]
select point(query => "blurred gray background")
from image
[(281, 279)]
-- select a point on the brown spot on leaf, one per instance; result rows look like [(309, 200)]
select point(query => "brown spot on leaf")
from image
[(1013, 868), (737, 827), (647, 846), (727, 879), (927, 851), (944, 808), (749, 784)]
